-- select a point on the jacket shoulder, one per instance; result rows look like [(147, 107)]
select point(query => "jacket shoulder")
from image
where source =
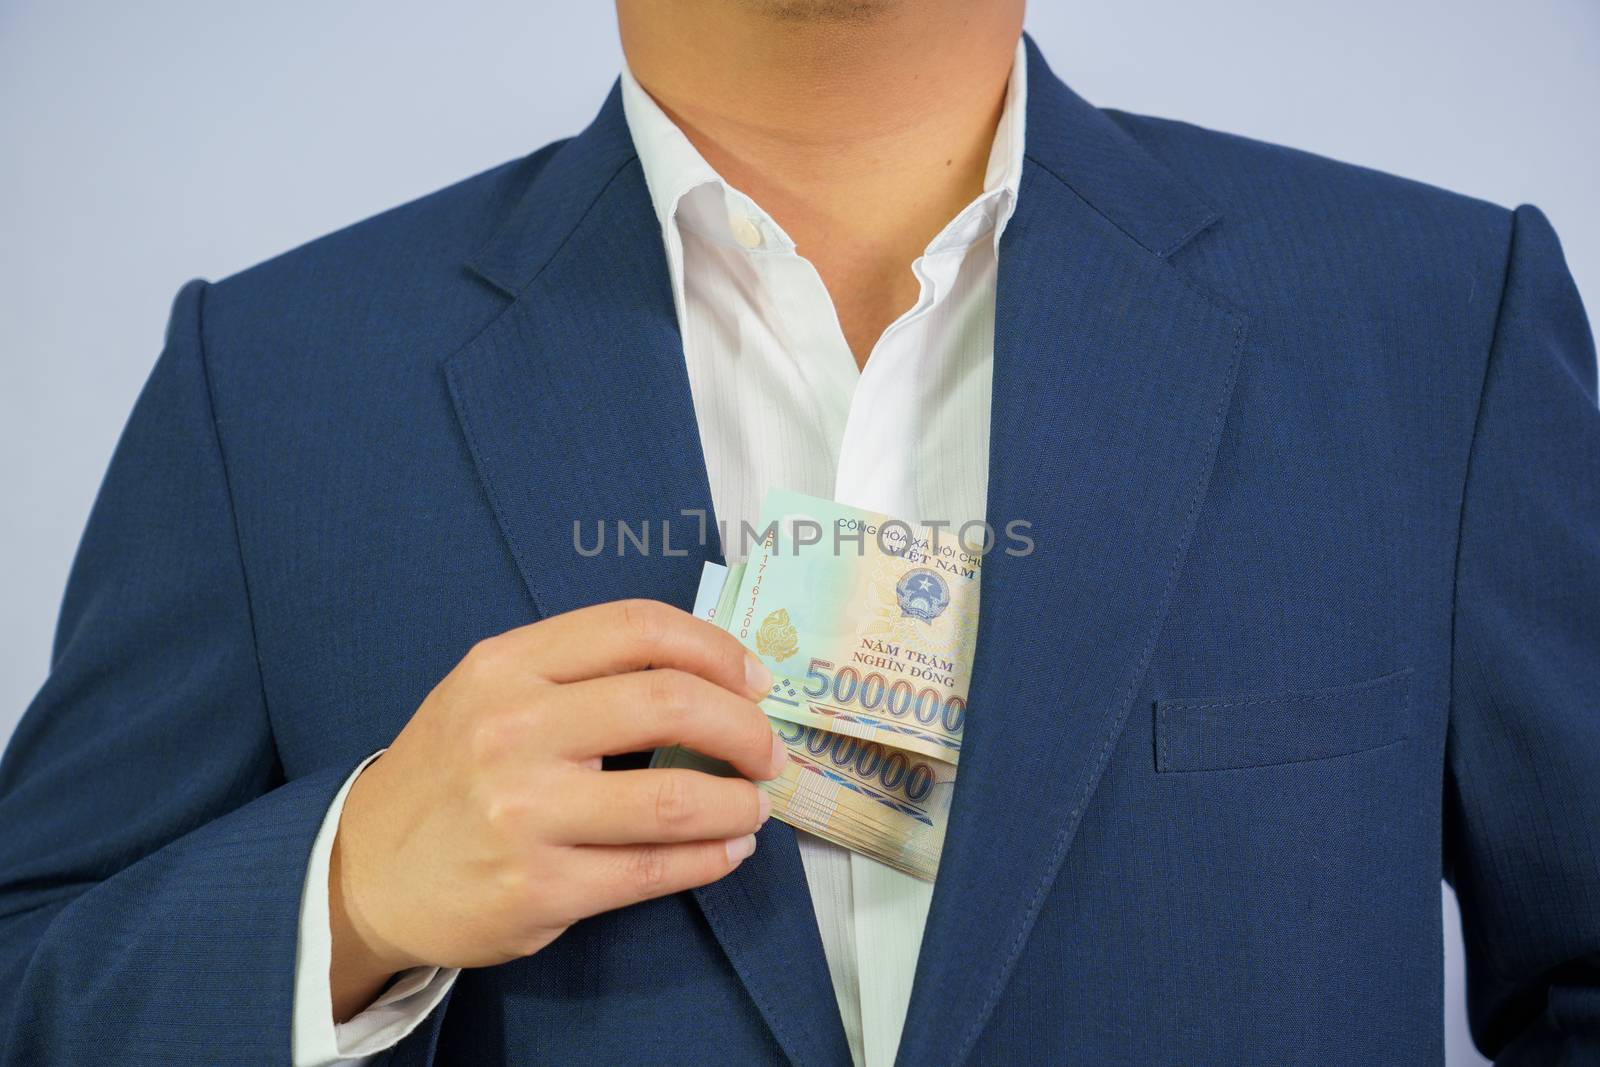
[(452, 221), (1270, 188), (398, 270), (1337, 261)]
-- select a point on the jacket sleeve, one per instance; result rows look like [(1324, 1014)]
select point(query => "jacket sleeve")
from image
[(152, 854), (1522, 840)]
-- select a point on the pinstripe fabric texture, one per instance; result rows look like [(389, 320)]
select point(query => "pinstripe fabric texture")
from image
[(1312, 461)]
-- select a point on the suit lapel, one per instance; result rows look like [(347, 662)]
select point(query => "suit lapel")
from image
[(1112, 378), (575, 407)]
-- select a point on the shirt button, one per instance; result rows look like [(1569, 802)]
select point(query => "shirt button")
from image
[(746, 231)]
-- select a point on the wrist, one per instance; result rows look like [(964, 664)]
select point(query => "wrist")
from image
[(362, 960)]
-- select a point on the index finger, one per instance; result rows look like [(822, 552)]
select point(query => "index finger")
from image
[(635, 635)]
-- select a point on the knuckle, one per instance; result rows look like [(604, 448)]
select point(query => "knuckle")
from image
[(484, 659), (485, 738), (674, 806), (565, 902), (759, 736), (492, 733), (733, 655), (647, 870), (515, 882), (670, 692), (501, 813), (529, 891), (645, 621), (752, 803), (513, 810)]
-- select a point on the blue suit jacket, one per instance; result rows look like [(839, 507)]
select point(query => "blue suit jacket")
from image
[(1312, 460)]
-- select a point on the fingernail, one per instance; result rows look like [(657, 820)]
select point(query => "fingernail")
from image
[(765, 809), (756, 677), (780, 755), (739, 848)]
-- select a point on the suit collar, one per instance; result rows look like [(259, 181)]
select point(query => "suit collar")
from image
[(1113, 375), (574, 405), (550, 193), (1082, 146), (1090, 153)]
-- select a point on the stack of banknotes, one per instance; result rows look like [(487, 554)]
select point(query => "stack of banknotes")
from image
[(868, 625)]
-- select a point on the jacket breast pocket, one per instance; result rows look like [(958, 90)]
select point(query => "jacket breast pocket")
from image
[(1214, 734)]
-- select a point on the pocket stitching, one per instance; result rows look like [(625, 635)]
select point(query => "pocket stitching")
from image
[(1298, 694), (1289, 762), (1163, 707)]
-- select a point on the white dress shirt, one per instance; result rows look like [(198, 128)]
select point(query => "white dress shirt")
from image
[(781, 403)]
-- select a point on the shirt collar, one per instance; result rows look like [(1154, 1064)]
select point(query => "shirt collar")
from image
[(684, 188)]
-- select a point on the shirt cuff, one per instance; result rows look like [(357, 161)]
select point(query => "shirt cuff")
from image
[(317, 1041)]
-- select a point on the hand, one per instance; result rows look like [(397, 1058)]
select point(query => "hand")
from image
[(488, 827)]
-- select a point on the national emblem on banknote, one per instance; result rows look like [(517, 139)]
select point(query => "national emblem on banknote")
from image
[(922, 594), (871, 655)]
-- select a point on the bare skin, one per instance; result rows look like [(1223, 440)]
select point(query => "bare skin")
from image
[(488, 827), (862, 126)]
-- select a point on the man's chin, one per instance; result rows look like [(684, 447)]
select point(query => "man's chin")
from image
[(821, 10)]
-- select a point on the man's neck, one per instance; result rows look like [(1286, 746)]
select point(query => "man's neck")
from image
[(862, 126)]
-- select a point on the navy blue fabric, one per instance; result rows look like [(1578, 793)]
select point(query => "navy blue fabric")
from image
[(1312, 461)]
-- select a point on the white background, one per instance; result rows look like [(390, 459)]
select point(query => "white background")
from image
[(145, 144)]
